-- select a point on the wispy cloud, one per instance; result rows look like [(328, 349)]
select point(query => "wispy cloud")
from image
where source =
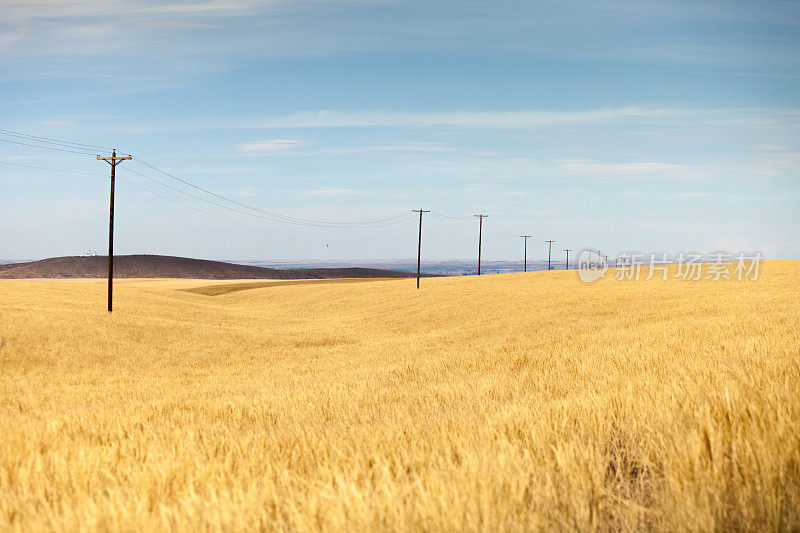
[(331, 191), (211, 8), (272, 145), (640, 169), (181, 31), (20, 11), (768, 148), (170, 23), (692, 195), (630, 118), (471, 119), (419, 147)]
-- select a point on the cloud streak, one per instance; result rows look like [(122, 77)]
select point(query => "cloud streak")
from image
[(628, 116), (470, 119), (272, 145), (419, 147), (230, 32), (640, 169)]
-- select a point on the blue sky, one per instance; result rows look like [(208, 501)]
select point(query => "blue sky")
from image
[(625, 126)]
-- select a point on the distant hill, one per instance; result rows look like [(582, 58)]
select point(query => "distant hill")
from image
[(448, 267), (162, 266)]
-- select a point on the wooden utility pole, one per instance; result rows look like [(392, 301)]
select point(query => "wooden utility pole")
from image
[(113, 161), (549, 249), (568, 251), (480, 233), (525, 238), (419, 244)]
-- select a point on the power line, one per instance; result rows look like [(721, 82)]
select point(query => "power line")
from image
[(439, 215), (445, 224), (494, 229), (235, 210), (77, 148), (407, 224), (129, 182), (277, 217), (51, 140), (51, 169), (503, 232), (394, 222), (399, 222), (46, 147), (260, 230)]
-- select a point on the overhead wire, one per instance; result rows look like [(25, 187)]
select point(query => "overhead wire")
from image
[(277, 217), (218, 204), (52, 169), (46, 147), (51, 140), (440, 215), (395, 223), (82, 149), (497, 233), (319, 243), (446, 224), (130, 182), (499, 230), (446, 221), (381, 234)]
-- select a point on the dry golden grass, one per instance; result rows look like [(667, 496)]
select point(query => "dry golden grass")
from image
[(217, 289), (512, 402)]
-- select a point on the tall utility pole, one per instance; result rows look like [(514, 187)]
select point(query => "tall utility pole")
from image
[(419, 244), (525, 238), (568, 251), (113, 161), (480, 233), (549, 249)]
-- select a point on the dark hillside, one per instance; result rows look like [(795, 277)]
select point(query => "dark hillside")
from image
[(161, 266)]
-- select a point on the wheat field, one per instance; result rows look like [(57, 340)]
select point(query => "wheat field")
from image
[(510, 402)]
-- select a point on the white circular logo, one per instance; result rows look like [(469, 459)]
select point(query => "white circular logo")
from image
[(591, 265)]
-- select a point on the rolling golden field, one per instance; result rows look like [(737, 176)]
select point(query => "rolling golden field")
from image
[(510, 402)]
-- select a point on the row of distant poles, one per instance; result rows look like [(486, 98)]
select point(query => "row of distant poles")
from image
[(525, 254), (480, 238), (114, 160)]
